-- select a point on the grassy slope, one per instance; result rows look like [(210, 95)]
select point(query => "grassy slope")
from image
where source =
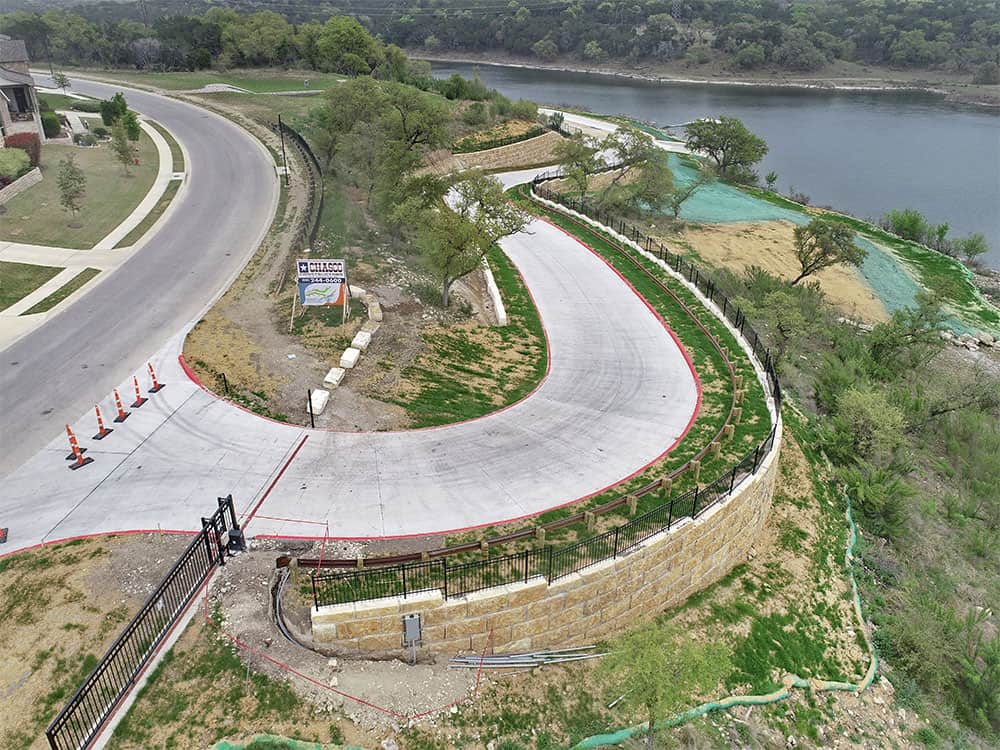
[(259, 81), (36, 217)]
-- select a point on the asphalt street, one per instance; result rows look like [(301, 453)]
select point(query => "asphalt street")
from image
[(53, 374)]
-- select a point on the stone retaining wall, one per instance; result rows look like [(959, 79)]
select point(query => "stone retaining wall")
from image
[(595, 603), (21, 184)]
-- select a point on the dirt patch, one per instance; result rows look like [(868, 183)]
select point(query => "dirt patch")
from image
[(770, 245), (61, 607)]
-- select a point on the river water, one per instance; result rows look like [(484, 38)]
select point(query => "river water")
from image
[(861, 152)]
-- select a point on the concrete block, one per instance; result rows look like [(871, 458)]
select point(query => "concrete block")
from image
[(320, 399), (357, 291), (350, 357), (334, 377), (361, 340), (370, 326), (374, 311)]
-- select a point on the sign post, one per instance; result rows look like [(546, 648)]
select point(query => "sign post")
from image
[(324, 283)]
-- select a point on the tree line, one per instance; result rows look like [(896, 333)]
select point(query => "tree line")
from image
[(952, 35)]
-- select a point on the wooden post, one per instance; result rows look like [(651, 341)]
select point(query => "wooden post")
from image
[(737, 414), (738, 396), (727, 433), (716, 448), (667, 485), (590, 518), (484, 548), (633, 501), (540, 534), (696, 468)]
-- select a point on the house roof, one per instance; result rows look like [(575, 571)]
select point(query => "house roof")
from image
[(11, 77), (12, 50)]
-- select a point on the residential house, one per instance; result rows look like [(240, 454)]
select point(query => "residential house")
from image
[(18, 101)]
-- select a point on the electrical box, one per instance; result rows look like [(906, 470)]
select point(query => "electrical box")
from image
[(411, 629)]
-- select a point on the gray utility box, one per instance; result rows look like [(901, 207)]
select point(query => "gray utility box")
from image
[(411, 630)]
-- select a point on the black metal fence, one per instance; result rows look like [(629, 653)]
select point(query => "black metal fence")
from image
[(82, 718), (313, 176), (550, 562)]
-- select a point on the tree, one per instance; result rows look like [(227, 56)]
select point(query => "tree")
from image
[(345, 46), (121, 148), (130, 122), (749, 57), (987, 74), (113, 109), (729, 144), (909, 224), (594, 52), (874, 425), (653, 188), (659, 670), (61, 81), (72, 185), (685, 191), (771, 178), (455, 242), (823, 243), (545, 49), (578, 157), (972, 247)]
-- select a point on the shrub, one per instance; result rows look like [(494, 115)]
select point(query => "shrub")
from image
[(908, 224), (84, 139), (100, 132), (51, 124), (30, 143), (13, 163), (85, 105), (131, 123)]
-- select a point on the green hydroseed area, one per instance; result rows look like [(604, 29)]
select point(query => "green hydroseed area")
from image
[(883, 269)]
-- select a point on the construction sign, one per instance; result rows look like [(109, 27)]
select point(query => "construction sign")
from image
[(322, 282)]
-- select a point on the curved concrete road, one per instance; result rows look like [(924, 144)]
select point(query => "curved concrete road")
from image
[(620, 393), (53, 374)]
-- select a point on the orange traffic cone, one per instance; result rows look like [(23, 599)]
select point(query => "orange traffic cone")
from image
[(122, 414), (139, 400), (156, 386), (102, 431), (77, 453)]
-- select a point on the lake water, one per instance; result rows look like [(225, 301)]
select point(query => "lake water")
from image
[(861, 152)]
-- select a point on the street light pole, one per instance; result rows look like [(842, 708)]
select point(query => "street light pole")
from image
[(284, 158)]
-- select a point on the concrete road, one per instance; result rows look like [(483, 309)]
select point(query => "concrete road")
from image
[(53, 374), (620, 393)]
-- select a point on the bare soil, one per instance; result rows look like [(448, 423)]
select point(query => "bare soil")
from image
[(770, 245), (530, 153), (61, 607)]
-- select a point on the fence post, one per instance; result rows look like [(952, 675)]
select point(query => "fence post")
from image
[(525, 565), (694, 508), (756, 453), (444, 575), (615, 555), (670, 514), (549, 576), (732, 481), (402, 568), (208, 542), (315, 597)]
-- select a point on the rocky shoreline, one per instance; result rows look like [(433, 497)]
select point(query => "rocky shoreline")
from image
[(946, 91)]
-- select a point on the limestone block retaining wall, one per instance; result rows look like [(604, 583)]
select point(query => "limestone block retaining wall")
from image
[(595, 603), (21, 184)]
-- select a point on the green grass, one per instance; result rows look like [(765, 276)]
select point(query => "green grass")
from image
[(152, 217), (18, 280), (176, 154), (35, 216), (450, 374), (57, 101), (258, 81), (63, 292)]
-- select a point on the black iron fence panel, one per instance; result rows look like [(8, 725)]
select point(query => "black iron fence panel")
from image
[(465, 578), (81, 719)]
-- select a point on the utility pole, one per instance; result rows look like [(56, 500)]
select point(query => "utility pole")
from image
[(284, 158), (145, 12)]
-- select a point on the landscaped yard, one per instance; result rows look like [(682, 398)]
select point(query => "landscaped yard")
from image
[(36, 217), (58, 101), (18, 280)]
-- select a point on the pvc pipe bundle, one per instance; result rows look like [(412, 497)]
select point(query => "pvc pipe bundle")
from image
[(528, 660)]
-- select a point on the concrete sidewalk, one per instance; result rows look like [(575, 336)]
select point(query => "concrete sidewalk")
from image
[(619, 394)]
